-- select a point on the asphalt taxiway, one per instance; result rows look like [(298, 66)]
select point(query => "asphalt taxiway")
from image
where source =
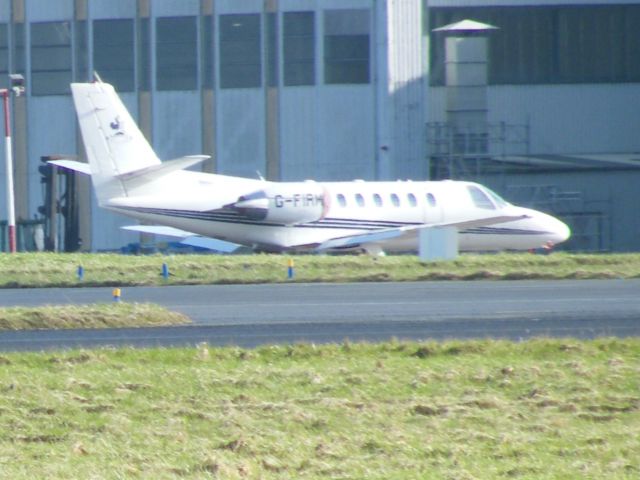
[(250, 315)]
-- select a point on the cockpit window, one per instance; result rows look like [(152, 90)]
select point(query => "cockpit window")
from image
[(497, 199), (479, 198)]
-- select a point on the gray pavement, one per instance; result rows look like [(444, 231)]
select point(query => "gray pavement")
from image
[(250, 315)]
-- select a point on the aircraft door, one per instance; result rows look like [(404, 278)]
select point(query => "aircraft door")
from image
[(432, 212)]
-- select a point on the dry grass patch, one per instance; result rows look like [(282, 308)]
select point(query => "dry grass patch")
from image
[(478, 409), (108, 315)]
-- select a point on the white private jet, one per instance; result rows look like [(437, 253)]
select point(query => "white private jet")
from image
[(223, 212)]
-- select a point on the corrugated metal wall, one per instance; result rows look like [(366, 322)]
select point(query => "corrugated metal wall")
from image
[(407, 89), (566, 119), (372, 130)]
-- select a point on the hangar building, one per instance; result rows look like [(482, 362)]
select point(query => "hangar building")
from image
[(337, 90)]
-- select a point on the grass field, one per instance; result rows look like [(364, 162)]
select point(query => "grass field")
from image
[(456, 410), (48, 269), (111, 315)]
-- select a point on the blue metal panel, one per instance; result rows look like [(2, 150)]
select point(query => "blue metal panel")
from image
[(572, 118), (5, 12), (346, 139), (298, 133), (327, 133), (240, 120), (112, 9), (177, 124), (234, 6), (172, 8), (48, 11), (51, 130)]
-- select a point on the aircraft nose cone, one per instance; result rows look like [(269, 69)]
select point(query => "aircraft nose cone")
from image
[(560, 231)]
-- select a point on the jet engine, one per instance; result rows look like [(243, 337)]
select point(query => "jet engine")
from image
[(284, 203)]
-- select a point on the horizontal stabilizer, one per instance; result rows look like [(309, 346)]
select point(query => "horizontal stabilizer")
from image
[(148, 174), (186, 238), (387, 234), (72, 165)]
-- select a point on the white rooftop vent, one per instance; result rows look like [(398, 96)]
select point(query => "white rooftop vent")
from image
[(466, 26)]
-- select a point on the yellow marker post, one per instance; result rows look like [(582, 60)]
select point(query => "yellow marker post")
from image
[(116, 294), (290, 269)]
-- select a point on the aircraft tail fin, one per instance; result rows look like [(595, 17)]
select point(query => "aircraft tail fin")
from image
[(114, 144)]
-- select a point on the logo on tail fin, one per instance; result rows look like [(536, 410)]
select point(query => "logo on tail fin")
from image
[(116, 125)]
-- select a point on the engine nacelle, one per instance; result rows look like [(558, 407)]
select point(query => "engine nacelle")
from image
[(285, 203)]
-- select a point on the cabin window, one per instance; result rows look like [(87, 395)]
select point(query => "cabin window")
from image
[(360, 200), (431, 200), (479, 198), (395, 200), (412, 200), (341, 200), (377, 199)]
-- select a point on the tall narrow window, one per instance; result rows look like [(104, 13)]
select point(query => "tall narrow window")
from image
[(240, 51), (346, 46), (176, 53), (4, 55), (50, 58), (299, 48), (113, 57), (81, 53), (19, 49)]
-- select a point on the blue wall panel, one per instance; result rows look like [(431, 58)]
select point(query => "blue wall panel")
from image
[(240, 120), (177, 125)]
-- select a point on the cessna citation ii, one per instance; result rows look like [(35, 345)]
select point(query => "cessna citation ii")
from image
[(223, 212)]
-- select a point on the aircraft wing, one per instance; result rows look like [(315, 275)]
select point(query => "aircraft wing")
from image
[(186, 238), (379, 236)]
